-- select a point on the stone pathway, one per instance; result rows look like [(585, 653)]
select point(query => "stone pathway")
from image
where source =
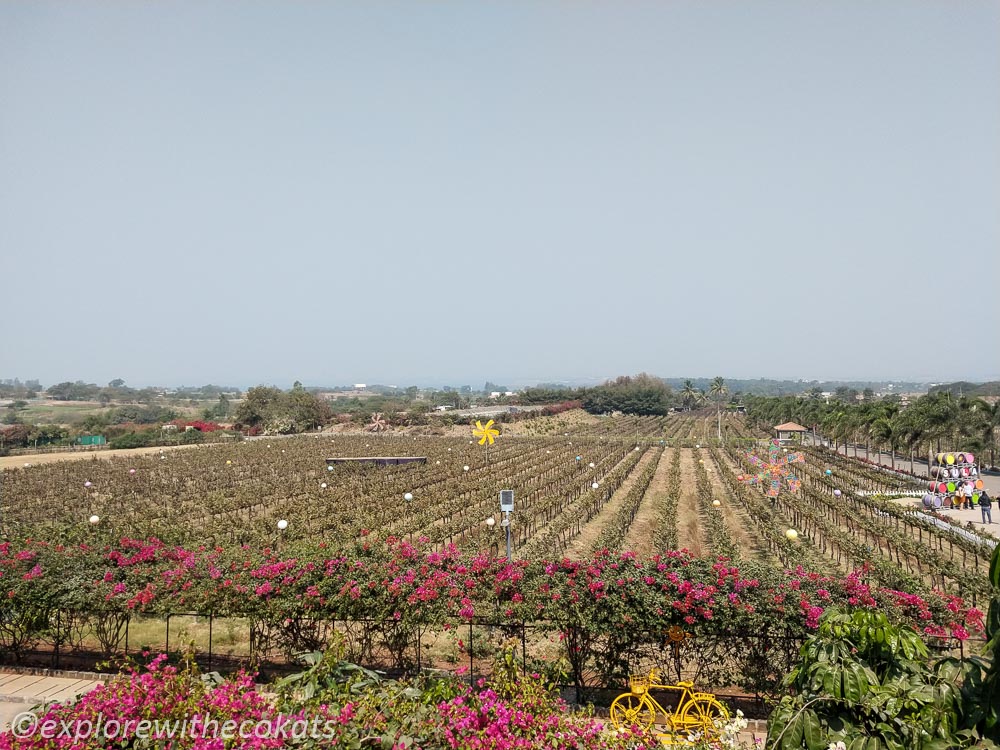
[(19, 692)]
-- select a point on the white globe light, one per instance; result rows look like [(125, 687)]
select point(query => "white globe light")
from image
[(470, 442), (408, 496), (697, 445), (229, 463), (591, 464), (716, 503), (329, 468), (27, 466), (465, 468), (490, 521), (438, 463), (323, 486), (87, 484), (282, 524), (792, 534), (595, 485), (94, 519)]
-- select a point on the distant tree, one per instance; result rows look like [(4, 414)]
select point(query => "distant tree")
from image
[(259, 406), (116, 383), (640, 394), (78, 391), (305, 409), (689, 394)]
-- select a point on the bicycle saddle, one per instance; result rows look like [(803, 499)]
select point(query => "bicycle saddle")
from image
[(685, 684)]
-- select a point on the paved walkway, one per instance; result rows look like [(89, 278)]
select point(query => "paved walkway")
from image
[(990, 481), (19, 692)]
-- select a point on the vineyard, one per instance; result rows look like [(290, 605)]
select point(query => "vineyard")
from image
[(266, 532)]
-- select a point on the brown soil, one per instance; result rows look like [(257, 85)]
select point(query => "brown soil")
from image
[(737, 522), (589, 533), (640, 535), (690, 535)]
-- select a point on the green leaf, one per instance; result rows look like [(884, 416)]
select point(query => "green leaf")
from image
[(792, 738), (812, 732)]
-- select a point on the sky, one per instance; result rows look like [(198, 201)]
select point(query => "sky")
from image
[(454, 191)]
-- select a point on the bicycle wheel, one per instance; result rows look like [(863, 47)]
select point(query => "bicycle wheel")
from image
[(632, 710), (700, 715)]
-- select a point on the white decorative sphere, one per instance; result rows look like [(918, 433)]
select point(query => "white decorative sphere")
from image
[(490, 521), (282, 524), (591, 464), (595, 485), (87, 484), (94, 519), (465, 468), (716, 503), (323, 486), (408, 496), (792, 534)]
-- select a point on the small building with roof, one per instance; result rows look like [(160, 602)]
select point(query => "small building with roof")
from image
[(789, 431)]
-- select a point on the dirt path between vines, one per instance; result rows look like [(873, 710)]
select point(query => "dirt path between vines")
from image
[(737, 521), (581, 544), (640, 535), (690, 535)]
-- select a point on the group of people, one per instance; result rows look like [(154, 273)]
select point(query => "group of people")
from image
[(985, 502)]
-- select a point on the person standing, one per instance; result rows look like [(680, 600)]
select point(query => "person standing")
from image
[(967, 496), (986, 507)]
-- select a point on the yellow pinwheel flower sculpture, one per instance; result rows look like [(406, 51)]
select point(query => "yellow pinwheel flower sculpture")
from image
[(486, 433)]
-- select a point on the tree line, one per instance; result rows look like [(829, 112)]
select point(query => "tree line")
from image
[(934, 422)]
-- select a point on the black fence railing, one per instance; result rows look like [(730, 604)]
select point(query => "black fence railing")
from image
[(745, 668)]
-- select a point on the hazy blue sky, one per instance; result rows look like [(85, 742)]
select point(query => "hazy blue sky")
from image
[(419, 192)]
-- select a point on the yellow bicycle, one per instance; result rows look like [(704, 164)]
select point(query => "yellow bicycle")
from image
[(696, 712)]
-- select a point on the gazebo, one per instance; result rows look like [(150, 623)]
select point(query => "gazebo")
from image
[(789, 431)]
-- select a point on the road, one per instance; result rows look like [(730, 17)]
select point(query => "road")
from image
[(990, 481)]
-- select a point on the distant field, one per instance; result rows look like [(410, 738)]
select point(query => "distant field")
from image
[(70, 413), (59, 412)]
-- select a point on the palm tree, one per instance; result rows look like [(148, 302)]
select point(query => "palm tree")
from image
[(884, 432), (991, 428), (718, 390), (689, 394)]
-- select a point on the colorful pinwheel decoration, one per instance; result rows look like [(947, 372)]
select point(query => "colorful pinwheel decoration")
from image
[(774, 470), (486, 433)]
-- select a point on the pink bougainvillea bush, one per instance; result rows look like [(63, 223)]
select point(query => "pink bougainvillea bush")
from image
[(162, 706), (602, 610)]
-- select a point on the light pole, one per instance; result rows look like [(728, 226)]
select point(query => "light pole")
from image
[(507, 507), (282, 525)]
